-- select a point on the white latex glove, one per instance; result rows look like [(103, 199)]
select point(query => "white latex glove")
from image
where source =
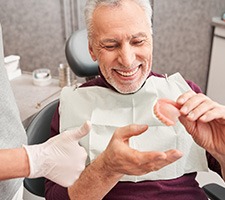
[(60, 159)]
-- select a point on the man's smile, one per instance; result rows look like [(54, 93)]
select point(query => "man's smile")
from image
[(128, 73)]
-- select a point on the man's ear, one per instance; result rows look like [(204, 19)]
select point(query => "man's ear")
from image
[(91, 52)]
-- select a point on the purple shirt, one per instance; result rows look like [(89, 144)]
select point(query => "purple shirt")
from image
[(184, 187)]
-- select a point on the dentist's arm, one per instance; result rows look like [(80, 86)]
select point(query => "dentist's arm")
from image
[(14, 163), (60, 159)]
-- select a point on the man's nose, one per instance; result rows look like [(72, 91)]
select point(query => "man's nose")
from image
[(126, 55)]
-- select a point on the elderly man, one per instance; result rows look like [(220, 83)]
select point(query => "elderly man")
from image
[(131, 154)]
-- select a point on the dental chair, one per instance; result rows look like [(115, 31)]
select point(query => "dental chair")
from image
[(214, 191), (81, 64), (38, 131), (78, 56)]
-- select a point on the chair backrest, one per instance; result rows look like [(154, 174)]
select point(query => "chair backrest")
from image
[(38, 131), (78, 56)]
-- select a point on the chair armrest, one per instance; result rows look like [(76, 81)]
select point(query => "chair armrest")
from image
[(214, 191)]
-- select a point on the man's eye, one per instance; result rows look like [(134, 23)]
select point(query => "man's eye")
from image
[(138, 42), (110, 47)]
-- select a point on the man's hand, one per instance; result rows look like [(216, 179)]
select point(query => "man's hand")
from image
[(204, 119), (60, 159), (119, 158)]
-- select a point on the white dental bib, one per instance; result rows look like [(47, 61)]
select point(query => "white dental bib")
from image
[(107, 110)]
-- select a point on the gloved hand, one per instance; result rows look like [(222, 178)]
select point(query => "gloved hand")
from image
[(60, 159)]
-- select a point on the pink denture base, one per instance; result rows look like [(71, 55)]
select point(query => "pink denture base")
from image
[(167, 111)]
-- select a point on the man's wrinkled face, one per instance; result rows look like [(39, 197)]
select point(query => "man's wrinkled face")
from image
[(121, 41)]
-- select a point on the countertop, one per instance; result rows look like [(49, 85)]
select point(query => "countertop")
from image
[(218, 22), (30, 98)]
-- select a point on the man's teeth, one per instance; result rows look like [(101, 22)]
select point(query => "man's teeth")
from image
[(130, 73)]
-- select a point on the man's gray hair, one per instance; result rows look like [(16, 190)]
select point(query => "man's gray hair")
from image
[(91, 5)]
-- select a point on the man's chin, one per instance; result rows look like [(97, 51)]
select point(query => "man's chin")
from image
[(130, 89), (127, 86)]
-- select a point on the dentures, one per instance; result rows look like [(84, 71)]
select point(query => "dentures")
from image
[(167, 111)]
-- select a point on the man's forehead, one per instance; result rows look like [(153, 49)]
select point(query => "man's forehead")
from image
[(117, 38)]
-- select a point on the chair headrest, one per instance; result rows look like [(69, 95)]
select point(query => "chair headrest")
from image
[(78, 56)]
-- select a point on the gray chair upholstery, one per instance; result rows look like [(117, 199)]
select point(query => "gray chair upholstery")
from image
[(214, 191), (78, 56), (38, 131)]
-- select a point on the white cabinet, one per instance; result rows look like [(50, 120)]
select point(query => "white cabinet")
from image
[(216, 78)]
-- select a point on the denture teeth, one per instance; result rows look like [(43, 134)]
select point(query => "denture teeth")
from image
[(162, 119), (167, 111)]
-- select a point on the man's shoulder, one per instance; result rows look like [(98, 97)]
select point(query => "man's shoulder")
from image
[(94, 82), (193, 85)]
